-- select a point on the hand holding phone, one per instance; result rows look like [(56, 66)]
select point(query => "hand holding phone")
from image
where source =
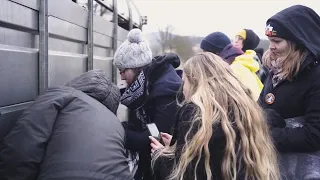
[(155, 145), (166, 138), (154, 132)]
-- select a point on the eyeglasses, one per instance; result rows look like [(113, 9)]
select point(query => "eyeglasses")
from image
[(122, 71)]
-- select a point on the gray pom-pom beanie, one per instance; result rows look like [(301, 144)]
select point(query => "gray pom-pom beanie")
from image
[(133, 52)]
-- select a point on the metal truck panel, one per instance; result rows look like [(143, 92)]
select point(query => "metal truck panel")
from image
[(44, 43), (19, 75)]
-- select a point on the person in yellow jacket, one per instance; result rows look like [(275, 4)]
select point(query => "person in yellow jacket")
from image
[(243, 64), (248, 40)]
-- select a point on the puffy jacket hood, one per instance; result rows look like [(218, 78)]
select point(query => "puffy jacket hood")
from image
[(229, 53), (248, 60), (162, 74), (166, 59), (96, 84), (245, 68)]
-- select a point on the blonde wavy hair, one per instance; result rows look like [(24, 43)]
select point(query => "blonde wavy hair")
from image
[(290, 61), (221, 98)]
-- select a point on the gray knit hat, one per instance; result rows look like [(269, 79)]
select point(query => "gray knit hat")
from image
[(133, 52), (96, 84)]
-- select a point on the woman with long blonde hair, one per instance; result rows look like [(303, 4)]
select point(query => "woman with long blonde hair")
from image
[(220, 131)]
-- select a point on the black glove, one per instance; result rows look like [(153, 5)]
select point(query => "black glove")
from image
[(274, 119), (124, 124)]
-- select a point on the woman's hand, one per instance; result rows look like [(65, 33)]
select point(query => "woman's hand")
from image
[(166, 138), (155, 144)]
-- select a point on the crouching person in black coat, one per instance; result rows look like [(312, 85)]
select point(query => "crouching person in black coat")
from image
[(68, 133)]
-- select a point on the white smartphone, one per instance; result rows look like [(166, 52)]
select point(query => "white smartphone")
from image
[(154, 132)]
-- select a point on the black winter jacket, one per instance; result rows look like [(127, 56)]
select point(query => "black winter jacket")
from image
[(65, 134), (160, 107), (301, 96), (217, 144)]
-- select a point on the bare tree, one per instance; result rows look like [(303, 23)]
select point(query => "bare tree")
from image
[(183, 47), (165, 38), (156, 49)]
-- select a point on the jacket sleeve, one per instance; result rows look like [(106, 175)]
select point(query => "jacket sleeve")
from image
[(24, 146), (163, 116), (163, 165), (306, 138)]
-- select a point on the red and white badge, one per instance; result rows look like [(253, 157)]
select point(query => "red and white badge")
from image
[(270, 98)]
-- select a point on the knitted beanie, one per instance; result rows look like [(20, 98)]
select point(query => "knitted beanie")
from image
[(215, 42), (250, 39), (133, 52)]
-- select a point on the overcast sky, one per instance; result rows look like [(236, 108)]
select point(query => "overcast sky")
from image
[(201, 17)]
